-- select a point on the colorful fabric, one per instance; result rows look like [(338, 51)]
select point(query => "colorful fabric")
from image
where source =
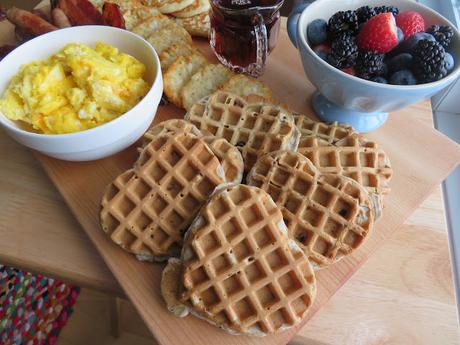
[(33, 308)]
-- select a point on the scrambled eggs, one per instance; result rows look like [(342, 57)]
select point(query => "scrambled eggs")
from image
[(76, 89)]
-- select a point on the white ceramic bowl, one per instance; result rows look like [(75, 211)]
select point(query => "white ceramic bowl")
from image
[(106, 139), (348, 99)]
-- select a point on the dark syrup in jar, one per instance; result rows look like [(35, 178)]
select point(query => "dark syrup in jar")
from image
[(234, 36)]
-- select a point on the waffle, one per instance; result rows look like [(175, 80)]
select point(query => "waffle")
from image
[(228, 155), (168, 127), (331, 132), (170, 288), (328, 215), (255, 128), (241, 272), (147, 210), (353, 157)]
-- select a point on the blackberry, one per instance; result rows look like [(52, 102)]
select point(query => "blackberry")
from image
[(370, 64), (365, 13), (442, 33), (344, 51), (386, 9), (343, 22), (429, 61)]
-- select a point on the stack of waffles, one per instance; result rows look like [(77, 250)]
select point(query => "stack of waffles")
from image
[(246, 199)]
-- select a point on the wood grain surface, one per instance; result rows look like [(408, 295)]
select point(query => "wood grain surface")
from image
[(410, 143), (421, 158)]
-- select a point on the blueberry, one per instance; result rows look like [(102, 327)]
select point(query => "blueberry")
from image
[(400, 35), (408, 45), (424, 36), (321, 53), (450, 62), (317, 31), (380, 80), (403, 77), (400, 62)]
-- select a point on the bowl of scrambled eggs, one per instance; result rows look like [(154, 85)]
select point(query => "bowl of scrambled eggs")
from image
[(80, 93)]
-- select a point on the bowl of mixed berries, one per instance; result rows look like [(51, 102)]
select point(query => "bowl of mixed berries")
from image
[(371, 57)]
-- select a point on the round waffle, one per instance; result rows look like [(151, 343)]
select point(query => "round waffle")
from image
[(170, 126), (147, 210), (255, 128), (329, 215), (229, 156), (330, 132), (353, 157), (241, 272)]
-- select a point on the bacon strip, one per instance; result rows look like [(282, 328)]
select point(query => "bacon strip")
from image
[(59, 18), (89, 10), (80, 12), (112, 16), (29, 21)]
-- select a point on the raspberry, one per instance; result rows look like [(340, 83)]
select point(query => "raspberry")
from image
[(379, 34), (349, 70), (410, 23)]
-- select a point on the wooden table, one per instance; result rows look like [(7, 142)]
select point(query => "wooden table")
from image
[(402, 295)]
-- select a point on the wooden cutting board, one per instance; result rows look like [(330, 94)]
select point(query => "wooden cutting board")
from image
[(421, 158)]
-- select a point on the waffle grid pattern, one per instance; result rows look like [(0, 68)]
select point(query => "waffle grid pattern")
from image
[(229, 156), (352, 157), (147, 210), (170, 126), (329, 215), (255, 129), (246, 277), (331, 132)]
